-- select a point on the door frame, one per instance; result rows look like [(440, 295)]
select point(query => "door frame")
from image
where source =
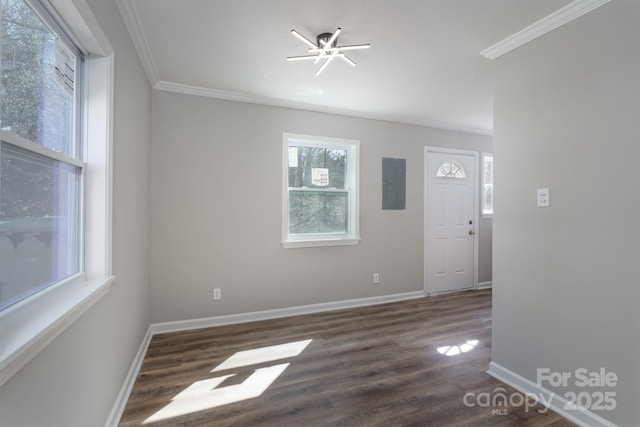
[(428, 174)]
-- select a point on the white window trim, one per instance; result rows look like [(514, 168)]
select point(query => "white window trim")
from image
[(30, 325), (482, 212), (315, 240)]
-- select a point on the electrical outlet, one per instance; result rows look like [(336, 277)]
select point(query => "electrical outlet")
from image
[(217, 293), (543, 197), (376, 278)]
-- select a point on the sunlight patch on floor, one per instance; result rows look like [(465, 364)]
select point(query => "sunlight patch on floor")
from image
[(205, 394), (454, 350), (262, 355)]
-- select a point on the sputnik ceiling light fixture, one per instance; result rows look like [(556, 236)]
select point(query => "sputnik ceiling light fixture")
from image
[(326, 48)]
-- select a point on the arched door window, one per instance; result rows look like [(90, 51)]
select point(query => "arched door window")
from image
[(451, 169)]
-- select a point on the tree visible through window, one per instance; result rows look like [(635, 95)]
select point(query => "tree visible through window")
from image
[(317, 190), (320, 188), (40, 167)]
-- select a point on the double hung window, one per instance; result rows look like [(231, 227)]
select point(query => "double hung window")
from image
[(320, 191), (41, 163), (56, 113)]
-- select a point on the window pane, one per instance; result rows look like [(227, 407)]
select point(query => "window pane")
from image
[(488, 200), (451, 170), (37, 100), (38, 217), (487, 181), (317, 212), (487, 175), (315, 167)]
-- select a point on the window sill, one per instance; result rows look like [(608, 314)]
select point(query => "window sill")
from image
[(320, 242), (29, 326)]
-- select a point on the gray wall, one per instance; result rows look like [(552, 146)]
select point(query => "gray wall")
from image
[(74, 381), (217, 203), (566, 277)]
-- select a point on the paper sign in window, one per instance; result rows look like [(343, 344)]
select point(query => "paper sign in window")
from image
[(64, 72), (320, 177)]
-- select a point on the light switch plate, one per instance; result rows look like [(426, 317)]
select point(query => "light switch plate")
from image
[(543, 197)]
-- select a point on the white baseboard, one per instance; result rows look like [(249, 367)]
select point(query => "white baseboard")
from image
[(185, 325), (208, 322), (582, 417), (485, 285), (129, 381)]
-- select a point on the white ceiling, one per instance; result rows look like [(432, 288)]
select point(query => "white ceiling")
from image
[(424, 65)]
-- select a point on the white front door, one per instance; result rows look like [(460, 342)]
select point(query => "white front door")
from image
[(450, 219)]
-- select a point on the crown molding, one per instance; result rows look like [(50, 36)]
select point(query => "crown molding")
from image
[(558, 18), (132, 22), (274, 102)]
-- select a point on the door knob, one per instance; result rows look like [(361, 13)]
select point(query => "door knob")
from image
[(471, 232)]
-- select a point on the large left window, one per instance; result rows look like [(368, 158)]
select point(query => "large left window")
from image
[(41, 160), (56, 131)]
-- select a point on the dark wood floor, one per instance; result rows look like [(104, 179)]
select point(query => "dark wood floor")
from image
[(372, 366)]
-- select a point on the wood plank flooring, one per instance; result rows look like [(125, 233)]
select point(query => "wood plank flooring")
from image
[(371, 366)]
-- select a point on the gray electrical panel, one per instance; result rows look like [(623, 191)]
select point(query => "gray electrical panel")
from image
[(394, 182)]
